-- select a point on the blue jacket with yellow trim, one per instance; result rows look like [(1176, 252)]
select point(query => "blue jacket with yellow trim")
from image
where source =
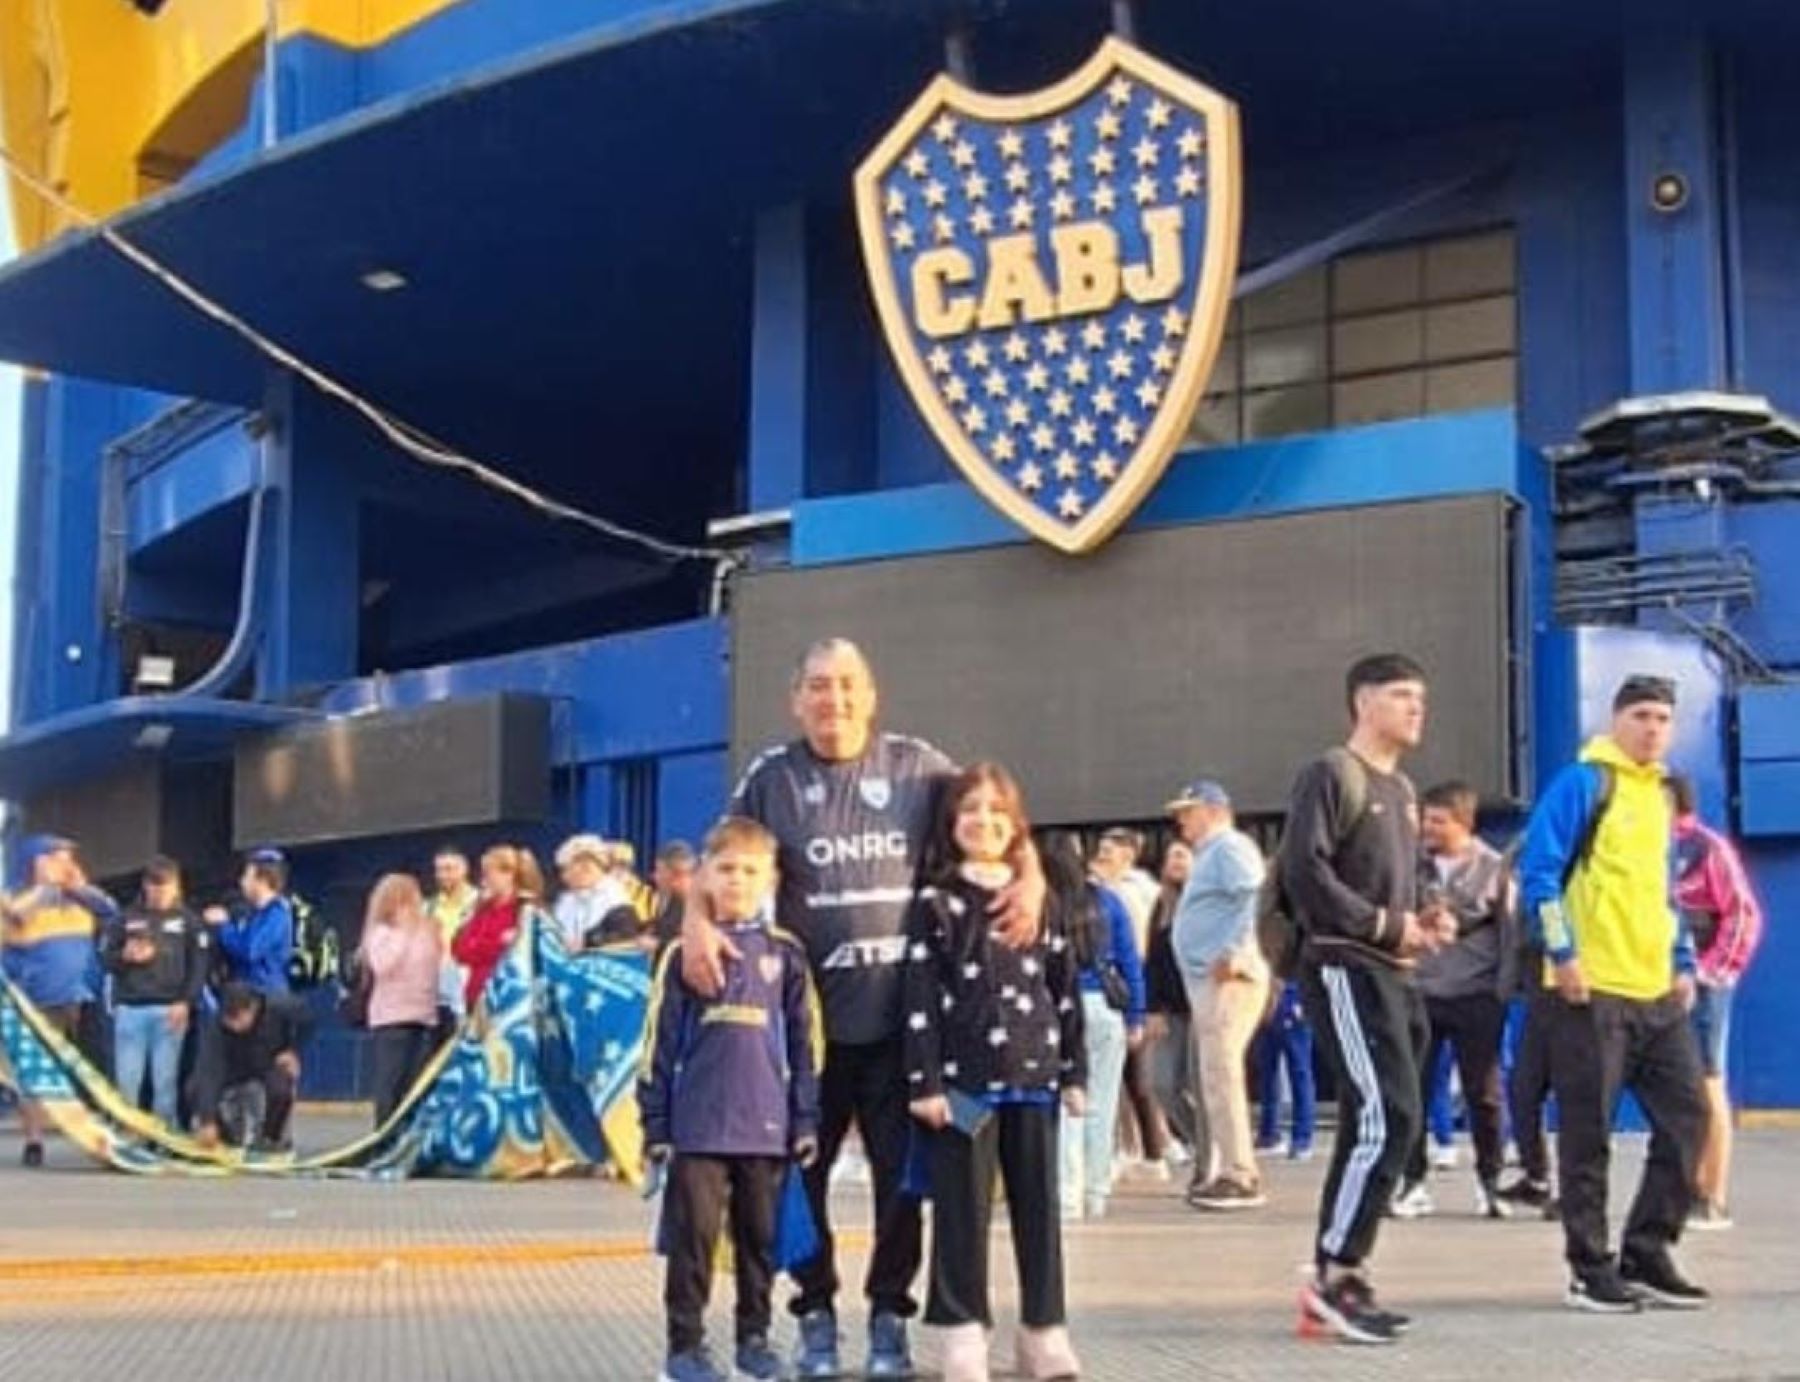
[(735, 1075), (1614, 908), (48, 945)]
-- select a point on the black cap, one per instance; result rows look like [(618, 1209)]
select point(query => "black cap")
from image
[(1640, 687)]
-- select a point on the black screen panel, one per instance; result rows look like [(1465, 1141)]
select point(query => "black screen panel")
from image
[(1106, 681)]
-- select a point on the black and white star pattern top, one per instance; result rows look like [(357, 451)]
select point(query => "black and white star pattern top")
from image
[(981, 1016)]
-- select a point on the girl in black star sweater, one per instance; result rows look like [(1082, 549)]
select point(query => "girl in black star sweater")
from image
[(993, 1042)]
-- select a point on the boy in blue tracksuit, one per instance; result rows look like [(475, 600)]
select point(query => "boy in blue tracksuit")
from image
[(258, 946), (729, 1094)]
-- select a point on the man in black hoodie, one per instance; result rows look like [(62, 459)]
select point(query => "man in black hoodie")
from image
[(157, 953), (249, 1069), (1349, 868)]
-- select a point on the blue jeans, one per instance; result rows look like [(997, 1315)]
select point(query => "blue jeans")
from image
[(1290, 1044), (1440, 1112), (1087, 1142), (142, 1037), (1711, 1019)]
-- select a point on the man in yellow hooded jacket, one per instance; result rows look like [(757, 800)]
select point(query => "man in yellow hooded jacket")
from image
[(1595, 881)]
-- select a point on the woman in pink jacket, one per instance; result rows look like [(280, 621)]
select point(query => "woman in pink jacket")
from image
[(402, 952), (1722, 914)]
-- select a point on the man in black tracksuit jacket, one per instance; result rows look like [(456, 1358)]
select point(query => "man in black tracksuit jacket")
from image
[(1349, 869)]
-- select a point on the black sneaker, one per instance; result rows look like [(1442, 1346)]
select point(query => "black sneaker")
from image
[(33, 1155), (1655, 1276), (1347, 1308), (1602, 1291), (1525, 1192), (1226, 1195)]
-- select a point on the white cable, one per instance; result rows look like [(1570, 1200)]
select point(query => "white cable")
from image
[(412, 440)]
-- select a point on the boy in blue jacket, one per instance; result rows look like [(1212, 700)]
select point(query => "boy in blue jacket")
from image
[(258, 946), (729, 1093)]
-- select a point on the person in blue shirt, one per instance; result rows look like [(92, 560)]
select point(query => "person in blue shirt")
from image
[(258, 945), (729, 1094)]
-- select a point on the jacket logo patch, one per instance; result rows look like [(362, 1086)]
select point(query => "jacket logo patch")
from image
[(876, 792), (769, 966)]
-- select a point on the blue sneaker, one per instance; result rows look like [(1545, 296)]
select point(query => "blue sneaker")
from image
[(888, 1356), (817, 1355), (696, 1365), (757, 1362)]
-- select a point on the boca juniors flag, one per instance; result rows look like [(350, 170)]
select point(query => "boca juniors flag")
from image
[(1052, 272)]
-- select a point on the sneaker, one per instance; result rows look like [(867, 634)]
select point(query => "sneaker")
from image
[(1707, 1217), (33, 1155), (1157, 1170), (1411, 1202), (1444, 1157), (1301, 1151), (696, 1365), (1658, 1280), (757, 1362), (1602, 1291), (1273, 1146), (852, 1168), (817, 1352), (1226, 1195), (888, 1354), (1525, 1193), (1179, 1153), (1488, 1203), (1347, 1308)]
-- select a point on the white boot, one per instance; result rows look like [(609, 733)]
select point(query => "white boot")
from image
[(1046, 1354), (966, 1353)]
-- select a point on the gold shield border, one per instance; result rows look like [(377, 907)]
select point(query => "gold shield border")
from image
[(1206, 326)]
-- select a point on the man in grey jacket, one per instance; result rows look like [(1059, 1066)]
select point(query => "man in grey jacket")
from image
[(1464, 983)]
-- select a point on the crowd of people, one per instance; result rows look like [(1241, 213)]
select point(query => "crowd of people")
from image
[(876, 940)]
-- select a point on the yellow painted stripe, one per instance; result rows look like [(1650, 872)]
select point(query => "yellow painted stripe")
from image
[(1769, 1119), (451, 1255)]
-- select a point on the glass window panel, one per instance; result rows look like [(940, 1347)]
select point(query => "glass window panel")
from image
[(1480, 384), (1370, 282), (1292, 302), (1215, 421), (1378, 398), (1364, 345), (1291, 355), (1459, 330), (1281, 412), (1471, 265)]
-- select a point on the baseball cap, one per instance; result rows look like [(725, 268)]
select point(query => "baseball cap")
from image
[(1202, 791)]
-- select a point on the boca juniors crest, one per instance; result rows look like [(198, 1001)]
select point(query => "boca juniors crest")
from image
[(1053, 272)]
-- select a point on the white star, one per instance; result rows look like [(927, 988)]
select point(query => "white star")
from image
[(1003, 448), (1163, 359), (1174, 322), (1133, 328), (1060, 168), (1146, 152), (1190, 143), (918, 1022), (1020, 213), (1125, 431), (1017, 348), (1144, 190), (1067, 468), (1103, 197), (1104, 399), (1082, 432), (976, 353), (1008, 990), (1059, 134), (939, 360), (1118, 364), (945, 1003), (1159, 113), (1093, 335), (1061, 405), (943, 129), (981, 221), (975, 187), (1025, 1004), (950, 1070), (935, 193), (1102, 162), (919, 951), (903, 236), (994, 385), (1069, 504), (916, 1076), (1011, 146), (1149, 393), (1077, 370), (1043, 437), (1055, 341), (896, 202), (963, 155), (1105, 467), (1062, 205), (1106, 125), (956, 390), (1029, 965), (1187, 182), (917, 164), (974, 420), (1031, 478), (1017, 413), (971, 970), (1118, 91), (1037, 378), (944, 228), (1018, 177)]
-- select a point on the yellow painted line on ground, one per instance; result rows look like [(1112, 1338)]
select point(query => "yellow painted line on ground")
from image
[(302, 1262), (1765, 1119)]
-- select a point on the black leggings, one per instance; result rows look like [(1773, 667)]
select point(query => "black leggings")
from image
[(397, 1055)]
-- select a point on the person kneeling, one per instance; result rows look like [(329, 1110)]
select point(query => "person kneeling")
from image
[(249, 1069), (993, 1039)]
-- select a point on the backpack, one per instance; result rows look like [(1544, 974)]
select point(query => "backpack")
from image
[(1528, 954), (1278, 930), (315, 959)]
